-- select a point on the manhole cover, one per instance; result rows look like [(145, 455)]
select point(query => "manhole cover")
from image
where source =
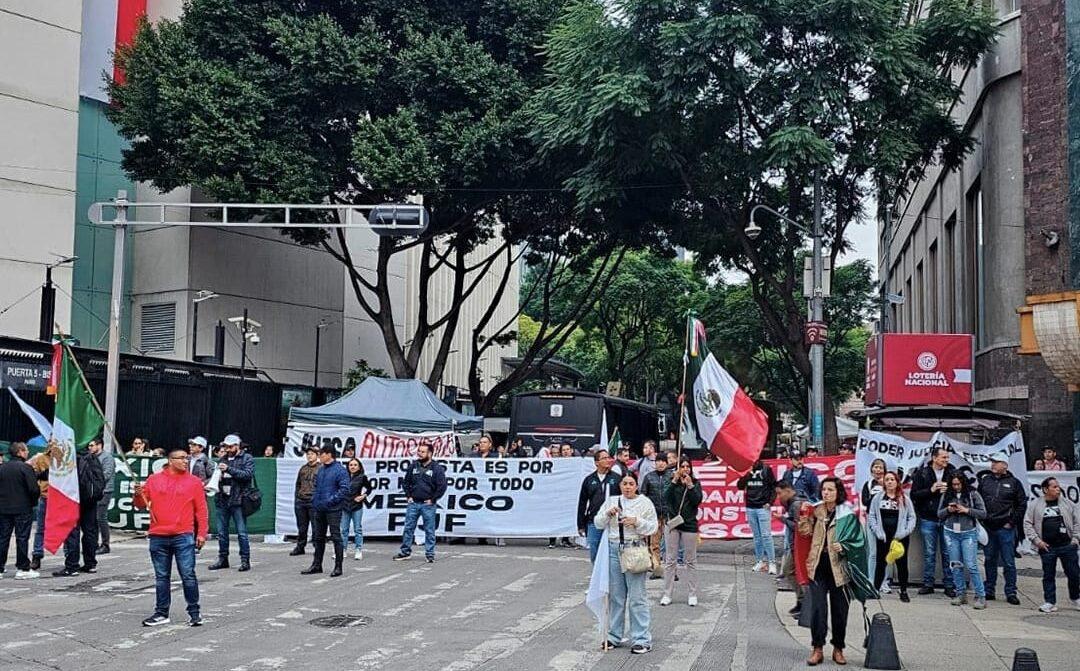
[(132, 584), (341, 621)]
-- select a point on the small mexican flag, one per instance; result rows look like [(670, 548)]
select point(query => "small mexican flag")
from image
[(75, 423), (730, 423)]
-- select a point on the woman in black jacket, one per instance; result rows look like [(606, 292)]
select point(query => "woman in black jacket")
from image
[(353, 514), (682, 497)]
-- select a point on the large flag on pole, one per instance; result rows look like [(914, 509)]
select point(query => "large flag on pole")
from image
[(75, 423), (730, 423)]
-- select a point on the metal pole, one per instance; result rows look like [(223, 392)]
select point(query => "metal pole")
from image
[(195, 332), (884, 271), (243, 346), (318, 336), (48, 307), (112, 373), (817, 351)]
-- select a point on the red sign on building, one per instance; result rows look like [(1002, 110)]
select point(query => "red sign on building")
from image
[(920, 369)]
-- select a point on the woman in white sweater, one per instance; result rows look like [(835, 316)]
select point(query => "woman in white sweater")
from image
[(628, 518)]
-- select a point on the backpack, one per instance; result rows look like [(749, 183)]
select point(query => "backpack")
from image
[(91, 479)]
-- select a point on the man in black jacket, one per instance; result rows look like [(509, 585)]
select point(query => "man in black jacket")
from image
[(424, 484), (237, 473), (18, 495), (91, 490), (595, 489), (653, 485), (302, 493), (1006, 504), (930, 481), (758, 487)]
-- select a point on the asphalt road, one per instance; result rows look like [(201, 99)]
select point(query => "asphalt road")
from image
[(518, 607)]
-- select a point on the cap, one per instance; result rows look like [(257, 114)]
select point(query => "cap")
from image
[(198, 440), (231, 439), (999, 456)]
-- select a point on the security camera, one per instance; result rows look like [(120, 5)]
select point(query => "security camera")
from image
[(255, 339), (752, 231)]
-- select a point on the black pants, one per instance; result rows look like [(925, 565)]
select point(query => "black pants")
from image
[(826, 596), (103, 518), (302, 509), (901, 563), (88, 527), (322, 520), (20, 525)]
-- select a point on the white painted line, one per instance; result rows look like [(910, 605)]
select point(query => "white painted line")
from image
[(385, 579)]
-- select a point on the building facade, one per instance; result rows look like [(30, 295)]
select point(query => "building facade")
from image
[(967, 247)]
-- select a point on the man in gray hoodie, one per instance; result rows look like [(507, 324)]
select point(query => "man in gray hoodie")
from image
[(108, 467)]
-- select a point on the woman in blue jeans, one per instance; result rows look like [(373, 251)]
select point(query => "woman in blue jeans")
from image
[(960, 510), (353, 513), (629, 518)]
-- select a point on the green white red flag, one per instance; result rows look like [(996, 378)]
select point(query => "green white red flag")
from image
[(75, 423), (733, 427)]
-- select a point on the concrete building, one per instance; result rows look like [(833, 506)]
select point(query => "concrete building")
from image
[(39, 106), (967, 247)]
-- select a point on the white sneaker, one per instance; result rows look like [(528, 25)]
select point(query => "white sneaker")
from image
[(359, 555), (665, 600), (1075, 603), (27, 575), (692, 601), (758, 567), (772, 568), (1048, 608), (885, 589)]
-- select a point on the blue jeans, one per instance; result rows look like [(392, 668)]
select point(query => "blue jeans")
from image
[(39, 530), (412, 513), (163, 550), (627, 590), (235, 515), (933, 545), (963, 550), (355, 519), (760, 520), (1068, 556), (593, 536), (1001, 546)]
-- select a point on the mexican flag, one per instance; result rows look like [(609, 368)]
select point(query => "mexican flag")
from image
[(75, 423), (730, 423)]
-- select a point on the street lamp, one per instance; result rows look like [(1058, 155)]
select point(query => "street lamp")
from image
[(48, 299), (318, 336), (817, 344), (200, 296)]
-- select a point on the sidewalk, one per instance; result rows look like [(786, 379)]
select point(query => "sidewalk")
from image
[(932, 634)]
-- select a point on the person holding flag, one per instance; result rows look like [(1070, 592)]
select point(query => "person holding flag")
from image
[(76, 483), (733, 427)]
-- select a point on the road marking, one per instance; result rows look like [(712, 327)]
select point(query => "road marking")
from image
[(742, 638), (522, 584), (693, 635), (415, 601), (385, 579)]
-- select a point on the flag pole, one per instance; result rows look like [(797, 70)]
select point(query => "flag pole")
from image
[(682, 392), (93, 399)]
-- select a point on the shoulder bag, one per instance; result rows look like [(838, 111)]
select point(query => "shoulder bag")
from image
[(252, 498), (634, 557)]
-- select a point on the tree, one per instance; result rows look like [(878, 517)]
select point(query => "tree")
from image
[(361, 371), (710, 107), (364, 102), (763, 363), (635, 333)]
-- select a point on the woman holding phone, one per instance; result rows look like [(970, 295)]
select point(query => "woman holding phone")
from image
[(961, 509), (682, 498)]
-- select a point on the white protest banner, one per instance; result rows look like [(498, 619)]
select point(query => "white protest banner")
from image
[(905, 456), (512, 498), (367, 443)]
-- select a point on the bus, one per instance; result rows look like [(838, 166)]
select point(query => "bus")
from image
[(541, 418)]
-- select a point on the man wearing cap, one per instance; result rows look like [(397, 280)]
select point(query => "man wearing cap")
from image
[(178, 525), (199, 465), (237, 471), (327, 501), (302, 493), (1006, 503), (803, 480)]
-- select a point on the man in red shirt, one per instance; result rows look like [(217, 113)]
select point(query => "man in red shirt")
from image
[(178, 526)]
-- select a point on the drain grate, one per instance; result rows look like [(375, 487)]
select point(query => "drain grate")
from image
[(341, 621)]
